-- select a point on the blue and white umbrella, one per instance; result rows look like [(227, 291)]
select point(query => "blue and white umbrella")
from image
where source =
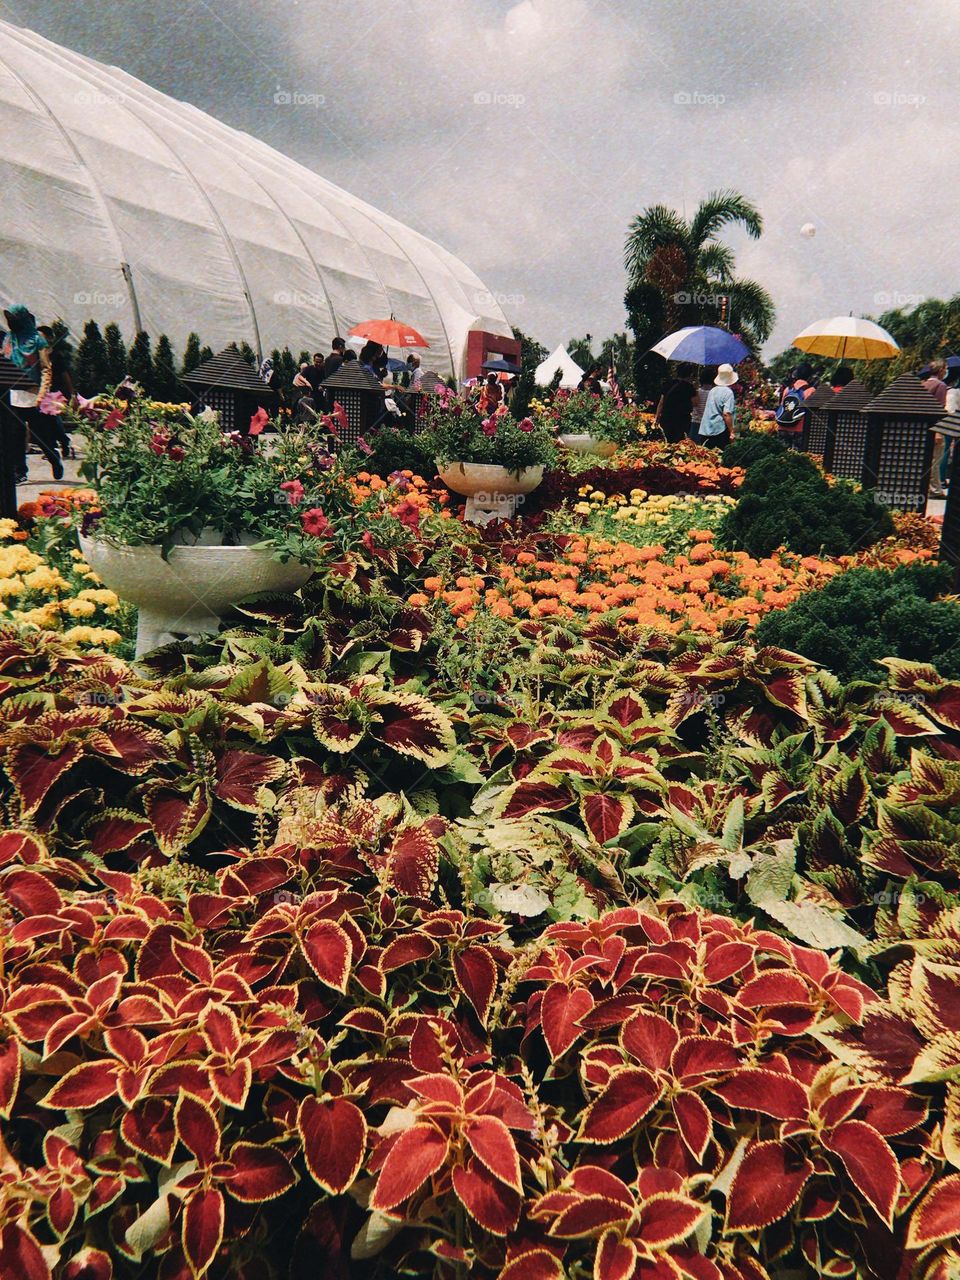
[(702, 344)]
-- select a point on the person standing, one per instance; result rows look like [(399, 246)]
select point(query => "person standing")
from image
[(952, 405), (62, 382), (676, 404), (334, 360), (699, 403), (416, 373), (28, 349), (935, 384), (717, 427)]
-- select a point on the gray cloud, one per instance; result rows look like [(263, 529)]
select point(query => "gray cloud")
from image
[(524, 134)]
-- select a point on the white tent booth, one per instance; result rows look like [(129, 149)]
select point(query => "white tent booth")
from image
[(118, 203), (559, 361)]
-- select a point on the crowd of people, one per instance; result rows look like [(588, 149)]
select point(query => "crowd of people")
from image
[(700, 407)]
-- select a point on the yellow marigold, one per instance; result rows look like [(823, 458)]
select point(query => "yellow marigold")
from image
[(100, 595), (93, 635), (80, 608), (43, 578), (11, 587), (8, 527)]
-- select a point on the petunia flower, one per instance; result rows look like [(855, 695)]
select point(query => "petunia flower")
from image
[(258, 421), (316, 524), (54, 402)]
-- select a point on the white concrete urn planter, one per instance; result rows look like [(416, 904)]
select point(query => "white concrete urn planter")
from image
[(185, 595), (588, 444), (492, 492)]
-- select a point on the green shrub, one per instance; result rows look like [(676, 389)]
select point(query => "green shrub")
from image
[(785, 501), (752, 447), (396, 449), (867, 614)]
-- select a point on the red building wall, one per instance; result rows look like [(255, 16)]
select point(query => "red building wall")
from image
[(488, 346)]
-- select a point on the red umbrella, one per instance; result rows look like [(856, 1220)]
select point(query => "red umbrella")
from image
[(389, 333)]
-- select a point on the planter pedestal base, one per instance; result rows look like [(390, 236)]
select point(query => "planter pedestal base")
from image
[(155, 629), (481, 508)]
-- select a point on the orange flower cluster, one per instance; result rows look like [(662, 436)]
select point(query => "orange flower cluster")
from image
[(404, 489), (59, 502), (704, 590)]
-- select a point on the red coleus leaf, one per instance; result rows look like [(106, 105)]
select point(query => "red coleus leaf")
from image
[(694, 1122), (535, 1264), (495, 1206), (616, 1258), (650, 1039), (492, 1143), (937, 1216), (84, 1086), (476, 974), (149, 1129), (89, 1264), (241, 774), (329, 951), (774, 988), (176, 817), (767, 1185), (416, 1155), (202, 1229), (20, 1255), (259, 1173), (620, 1107), (413, 726), (531, 797), (668, 1218), (413, 859), (757, 1089), (587, 1215), (561, 1009), (870, 1164), (9, 1075), (197, 1129), (407, 949), (334, 1136), (33, 772), (606, 816)]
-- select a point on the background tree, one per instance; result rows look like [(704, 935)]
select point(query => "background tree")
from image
[(206, 353), (679, 273), (191, 353), (167, 386), (581, 350), (140, 362), (248, 354), (90, 368), (532, 353), (116, 354)]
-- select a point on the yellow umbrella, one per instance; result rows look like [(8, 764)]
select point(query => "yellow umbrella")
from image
[(847, 338)]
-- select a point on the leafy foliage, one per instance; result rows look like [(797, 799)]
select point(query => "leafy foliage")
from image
[(861, 617), (786, 501)]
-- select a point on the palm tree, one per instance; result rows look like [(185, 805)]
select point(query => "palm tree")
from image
[(680, 273)]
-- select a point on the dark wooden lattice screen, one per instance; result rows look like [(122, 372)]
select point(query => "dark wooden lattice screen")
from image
[(950, 537), (815, 431), (846, 444), (897, 463)]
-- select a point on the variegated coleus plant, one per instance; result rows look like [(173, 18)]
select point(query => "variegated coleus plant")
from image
[(313, 1064)]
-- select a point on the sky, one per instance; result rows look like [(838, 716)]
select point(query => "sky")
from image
[(525, 134)]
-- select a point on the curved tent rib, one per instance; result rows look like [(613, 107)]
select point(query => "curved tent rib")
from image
[(215, 224)]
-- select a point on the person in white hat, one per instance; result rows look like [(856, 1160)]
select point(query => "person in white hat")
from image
[(717, 423)]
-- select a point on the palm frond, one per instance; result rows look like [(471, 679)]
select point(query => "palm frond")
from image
[(720, 209), (751, 305), (650, 230), (716, 261)]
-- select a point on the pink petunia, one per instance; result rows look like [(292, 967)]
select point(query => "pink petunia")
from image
[(54, 402), (259, 421)]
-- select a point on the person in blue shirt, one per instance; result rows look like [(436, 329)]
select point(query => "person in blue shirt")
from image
[(717, 423)]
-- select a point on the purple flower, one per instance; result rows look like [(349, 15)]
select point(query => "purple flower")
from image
[(363, 446), (526, 424)]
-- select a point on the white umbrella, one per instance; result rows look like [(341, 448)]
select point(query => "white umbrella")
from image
[(847, 338)]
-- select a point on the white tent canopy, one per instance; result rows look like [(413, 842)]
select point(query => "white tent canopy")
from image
[(119, 203), (570, 371)]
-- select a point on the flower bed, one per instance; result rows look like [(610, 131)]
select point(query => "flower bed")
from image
[(491, 907)]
